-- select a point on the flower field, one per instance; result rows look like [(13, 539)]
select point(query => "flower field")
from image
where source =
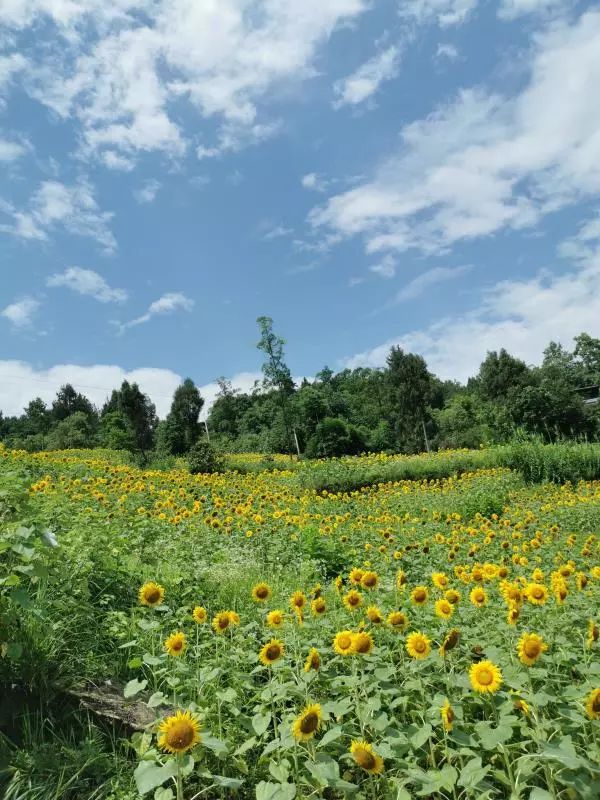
[(427, 638)]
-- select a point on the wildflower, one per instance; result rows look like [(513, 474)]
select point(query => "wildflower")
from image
[(199, 615), (298, 600), (275, 618), (271, 652), (419, 595), (536, 593), (342, 643), (175, 644), (447, 715), (362, 643), (513, 614), (443, 608), (485, 677), (261, 592), (593, 633), (151, 594), (221, 621), (366, 757), (397, 620), (530, 647), (307, 723), (318, 606), (374, 615), (313, 660), (478, 596), (418, 645), (369, 580), (452, 596), (355, 576), (179, 732), (440, 579), (352, 599)]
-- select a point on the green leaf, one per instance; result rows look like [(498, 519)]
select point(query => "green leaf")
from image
[(227, 783), (152, 661), (135, 663), (472, 774), (163, 793), (281, 771), (419, 736), (325, 770), (331, 735), (218, 747), (21, 598), (134, 687), (148, 775), (491, 737), (227, 696), (260, 723), (157, 699), (265, 790), (245, 746), (539, 794)]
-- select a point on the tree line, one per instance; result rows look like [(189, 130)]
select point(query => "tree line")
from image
[(402, 407)]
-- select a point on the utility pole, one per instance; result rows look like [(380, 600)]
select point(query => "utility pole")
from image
[(425, 435), (206, 428)]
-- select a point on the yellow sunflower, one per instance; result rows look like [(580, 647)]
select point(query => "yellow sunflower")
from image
[(530, 647), (478, 596), (318, 606), (400, 580), (447, 715), (307, 723), (362, 643), (536, 593), (313, 660), (179, 733), (418, 645), (440, 579), (355, 576), (512, 614), (443, 608), (221, 621), (342, 643), (397, 620), (298, 600), (261, 592), (199, 615), (366, 757), (275, 618), (419, 595), (151, 594), (592, 704), (450, 642), (352, 599), (452, 596), (234, 618), (176, 643), (374, 615), (485, 677), (593, 633), (369, 580), (521, 705), (271, 652)]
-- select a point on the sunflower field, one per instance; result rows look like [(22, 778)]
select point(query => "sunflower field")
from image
[(245, 634)]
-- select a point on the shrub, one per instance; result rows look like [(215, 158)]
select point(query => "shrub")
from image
[(203, 458)]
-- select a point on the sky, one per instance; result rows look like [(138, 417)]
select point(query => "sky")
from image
[(366, 172)]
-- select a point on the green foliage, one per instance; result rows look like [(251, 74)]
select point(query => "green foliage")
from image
[(72, 432), (203, 458), (334, 437), (181, 429)]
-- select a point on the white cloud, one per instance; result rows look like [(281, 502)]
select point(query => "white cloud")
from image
[(138, 57), (487, 162), (314, 182), (244, 381), (117, 161), (386, 268), (87, 282), (278, 232), (366, 80), (167, 304), (21, 312), (422, 282), (10, 151), (446, 50), (55, 205), (148, 192), (444, 12), (10, 65), (511, 9), (522, 316)]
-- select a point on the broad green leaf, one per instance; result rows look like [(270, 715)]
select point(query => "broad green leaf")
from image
[(472, 774), (265, 790), (157, 699), (260, 723), (133, 687), (148, 775)]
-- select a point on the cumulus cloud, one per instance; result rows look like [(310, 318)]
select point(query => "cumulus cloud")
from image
[(21, 312), (486, 162), (87, 282), (167, 304), (366, 80), (426, 280), (120, 79), (10, 151), (443, 12), (148, 192), (511, 9), (54, 205)]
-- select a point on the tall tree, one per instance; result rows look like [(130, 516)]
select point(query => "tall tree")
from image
[(68, 401), (182, 429), (37, 418), (140, 413), (276, 371), (410, 388)]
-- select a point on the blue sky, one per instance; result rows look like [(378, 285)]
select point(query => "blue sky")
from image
[(366, 172)]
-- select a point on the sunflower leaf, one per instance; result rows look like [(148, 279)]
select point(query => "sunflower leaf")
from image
[(133, 687)]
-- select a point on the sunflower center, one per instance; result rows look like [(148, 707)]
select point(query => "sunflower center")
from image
[(180, 735), (420, 596), (344, 642), (484, 676), (363, 644), (152, 595), (273, 652), (537, 593), (262, 592), (223, 622), (365, 759), (532, 649), (420, 646), (449, 715), (596, 705), (309, 723)]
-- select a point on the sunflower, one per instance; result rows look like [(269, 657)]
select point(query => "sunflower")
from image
[(447, 715), (443, 608), (530, 647), (352, 599), (313, 660), (452, 596), (419, 595), (261, 592), (450, 642), (582, 581), (151, 594), (199, 615), (418, 645), (234, 618), (400, 580), (318, 606), (271, 652), (592, 704), (275, 618), (362, 643), (369, 580), (439, 579), (179, 733), (374, 615), (175, 644), (485, 677), (366, 757), (513, 614), (307, 723), (478, 596), (298, 600), (342, 643), (355, 575), (536, 593), (221, 621), (593, 633), (521, 705), (397, 620)]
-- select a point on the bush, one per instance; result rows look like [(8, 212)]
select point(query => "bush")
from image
[(334, 437), (203, 458)]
